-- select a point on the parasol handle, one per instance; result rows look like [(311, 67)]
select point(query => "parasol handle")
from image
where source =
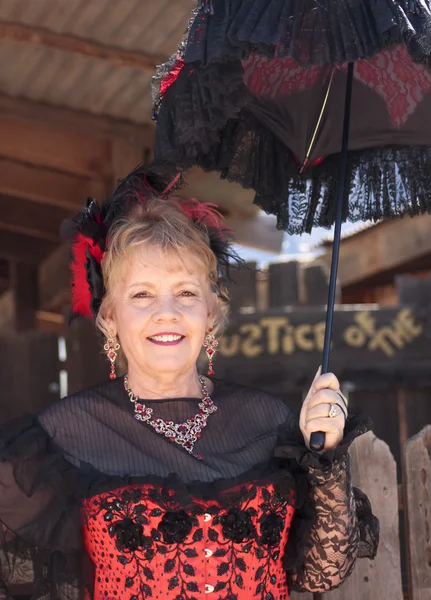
[(317, 439)]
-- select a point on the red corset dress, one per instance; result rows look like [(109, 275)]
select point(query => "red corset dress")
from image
[(143, 545), (105, 507)]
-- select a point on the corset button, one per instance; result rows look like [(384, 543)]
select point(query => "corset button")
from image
[(208, 588)]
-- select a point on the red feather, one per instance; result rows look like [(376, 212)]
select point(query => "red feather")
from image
[(206, 213), (81, 294)]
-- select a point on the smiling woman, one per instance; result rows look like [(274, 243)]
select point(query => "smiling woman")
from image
[(161, 280), (167, 483)]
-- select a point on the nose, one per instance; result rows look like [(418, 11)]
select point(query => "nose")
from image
[(166, 309)]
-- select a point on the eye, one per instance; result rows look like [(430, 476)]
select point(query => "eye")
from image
[(144, 295), (187, 294)]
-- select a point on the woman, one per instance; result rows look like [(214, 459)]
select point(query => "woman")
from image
[(167, 483)]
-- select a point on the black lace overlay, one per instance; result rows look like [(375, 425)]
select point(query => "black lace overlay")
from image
[(40, 512), (89, 445), (321, 32), (328, 31), (334, 520), (217, 106), (231, 138)]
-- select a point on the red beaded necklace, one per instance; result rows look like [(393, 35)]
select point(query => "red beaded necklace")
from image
[(184, 434)]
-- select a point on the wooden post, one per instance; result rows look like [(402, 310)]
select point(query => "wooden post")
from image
[(25, 290), (316, 285), (417, 473), (414, 291), (242, 288), (284, 288), (86, 364), (29, 368), (374, 472)]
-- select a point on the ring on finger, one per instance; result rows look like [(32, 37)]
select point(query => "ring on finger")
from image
[(333, 412)]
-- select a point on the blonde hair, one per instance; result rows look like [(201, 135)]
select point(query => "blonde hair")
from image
[(163, 224)]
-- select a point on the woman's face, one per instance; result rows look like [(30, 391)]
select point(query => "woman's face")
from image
[(161, 311)]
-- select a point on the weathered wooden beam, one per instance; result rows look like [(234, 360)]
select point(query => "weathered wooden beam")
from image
[(417, 473), (24, 248), (31, 232), (48, 321), (54, 280), (66, 119), (374, 471), (26, 217), (385, 248), (67, 43), (44, 146), (48, 187), (44, 320)]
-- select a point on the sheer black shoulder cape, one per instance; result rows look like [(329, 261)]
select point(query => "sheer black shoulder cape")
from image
[(89, 443)]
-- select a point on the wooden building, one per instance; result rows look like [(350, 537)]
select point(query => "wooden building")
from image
[(372, 258), (75, 114)]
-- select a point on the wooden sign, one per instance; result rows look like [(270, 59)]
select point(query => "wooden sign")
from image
[(288, 345)]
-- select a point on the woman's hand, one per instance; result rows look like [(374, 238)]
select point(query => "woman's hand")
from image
[(324, 409)]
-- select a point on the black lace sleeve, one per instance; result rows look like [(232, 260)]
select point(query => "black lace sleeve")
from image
[(40, 525), (333, 525)]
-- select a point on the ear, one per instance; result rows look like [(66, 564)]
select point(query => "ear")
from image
[(211, 319), (109, 320)]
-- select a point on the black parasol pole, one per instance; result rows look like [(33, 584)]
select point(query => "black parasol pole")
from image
[(317, 441)]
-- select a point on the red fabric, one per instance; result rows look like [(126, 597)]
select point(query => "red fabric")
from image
[(171, 77), (207, 564), (391, 74)]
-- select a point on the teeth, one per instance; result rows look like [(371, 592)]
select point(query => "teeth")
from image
[(166, 338)]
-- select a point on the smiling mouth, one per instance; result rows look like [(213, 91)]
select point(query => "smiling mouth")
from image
[(168, 339)]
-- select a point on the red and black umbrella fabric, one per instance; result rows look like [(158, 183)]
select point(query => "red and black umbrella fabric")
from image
[(323, 107)]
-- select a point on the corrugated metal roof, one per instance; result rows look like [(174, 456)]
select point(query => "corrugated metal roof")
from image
[(37, 72), (150, 26)]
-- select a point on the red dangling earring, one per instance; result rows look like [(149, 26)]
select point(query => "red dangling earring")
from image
[(111, 348), (210, 344)]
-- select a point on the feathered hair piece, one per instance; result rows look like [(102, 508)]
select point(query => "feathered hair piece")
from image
[(89, 230)]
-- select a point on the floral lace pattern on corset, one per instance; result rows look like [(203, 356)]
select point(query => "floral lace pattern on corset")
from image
[(141, 540)]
